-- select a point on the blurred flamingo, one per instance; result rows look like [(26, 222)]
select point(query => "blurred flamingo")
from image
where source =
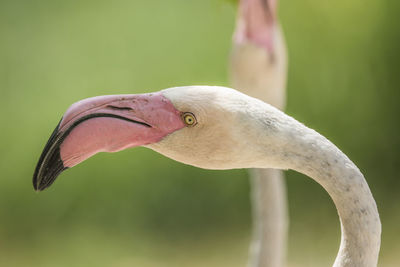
[(258, 68)]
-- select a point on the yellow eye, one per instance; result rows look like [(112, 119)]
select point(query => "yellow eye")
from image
[(189, 119)]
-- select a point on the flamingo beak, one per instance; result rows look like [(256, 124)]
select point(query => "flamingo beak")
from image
[(104, 124), (256, 23)]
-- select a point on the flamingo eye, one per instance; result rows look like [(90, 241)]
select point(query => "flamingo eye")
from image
[(189, 119)]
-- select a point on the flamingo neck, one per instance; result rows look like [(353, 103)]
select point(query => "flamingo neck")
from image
[(304, 150)]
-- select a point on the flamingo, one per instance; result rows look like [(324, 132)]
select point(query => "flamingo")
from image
[(218, 128), (258, 68)]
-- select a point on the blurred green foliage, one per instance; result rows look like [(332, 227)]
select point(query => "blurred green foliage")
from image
[(138, 208)]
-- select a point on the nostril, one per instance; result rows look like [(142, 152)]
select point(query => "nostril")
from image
[(119, 108)]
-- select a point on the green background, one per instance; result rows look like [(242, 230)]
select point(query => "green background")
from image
[(138, 208)]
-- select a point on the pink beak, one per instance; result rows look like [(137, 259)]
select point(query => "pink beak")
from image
[(105, 124), (256, 23)]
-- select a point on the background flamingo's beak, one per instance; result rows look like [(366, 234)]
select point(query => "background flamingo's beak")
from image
[(256, 23)]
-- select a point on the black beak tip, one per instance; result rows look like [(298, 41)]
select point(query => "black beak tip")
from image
[(50, 164)]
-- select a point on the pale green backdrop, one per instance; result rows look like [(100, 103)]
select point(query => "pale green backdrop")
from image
[(137, 208)]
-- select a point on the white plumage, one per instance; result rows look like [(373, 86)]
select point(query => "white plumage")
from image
[(238, 131)]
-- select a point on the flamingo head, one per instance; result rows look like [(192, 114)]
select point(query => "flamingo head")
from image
[(196, 125)]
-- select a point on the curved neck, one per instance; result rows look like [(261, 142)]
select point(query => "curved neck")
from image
[(294, 146)]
